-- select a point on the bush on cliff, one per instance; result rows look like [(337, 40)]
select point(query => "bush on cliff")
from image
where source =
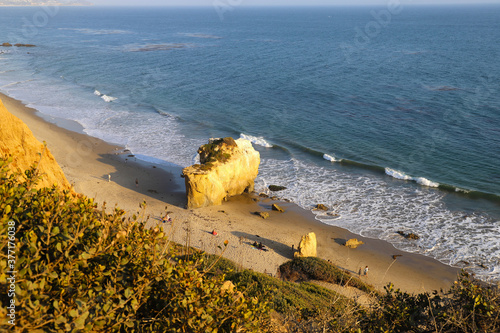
[(78, 268), (312, 268), (469, 306)]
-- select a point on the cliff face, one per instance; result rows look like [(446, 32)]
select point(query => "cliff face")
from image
[(17, 140), (227, 168)]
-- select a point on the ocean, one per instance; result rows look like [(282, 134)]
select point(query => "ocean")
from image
[(390, 116)]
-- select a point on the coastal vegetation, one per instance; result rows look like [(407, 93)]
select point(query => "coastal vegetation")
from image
[(80, 267), (216, 151)]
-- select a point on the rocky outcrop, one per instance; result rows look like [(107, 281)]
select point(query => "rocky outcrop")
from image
[(17, 141), (17, 45), (264, 215), (277, 208), (307, 246), (276, 188), (353, 243), (410, 235), (321, 207), (227, 168)]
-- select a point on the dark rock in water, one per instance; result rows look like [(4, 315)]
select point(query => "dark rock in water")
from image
[(321, 207), (276, 188), (278, 208), (263, 195), (6, 45), (410, 235), (24, 45)]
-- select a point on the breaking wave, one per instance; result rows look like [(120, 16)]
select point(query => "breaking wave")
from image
[(331, 158), (401, 175), (260, 141)]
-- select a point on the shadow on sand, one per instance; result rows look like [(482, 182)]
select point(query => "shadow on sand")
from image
[(149, 179), (280, 248)]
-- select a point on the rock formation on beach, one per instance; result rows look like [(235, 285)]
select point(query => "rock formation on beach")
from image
[(227, 168), (277, 208), (307, 246), (353, 243), (17, 140)]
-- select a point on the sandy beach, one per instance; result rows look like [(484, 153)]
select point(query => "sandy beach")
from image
[(111, 174)]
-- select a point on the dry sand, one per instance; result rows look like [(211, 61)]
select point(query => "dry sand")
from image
[(109, 173)]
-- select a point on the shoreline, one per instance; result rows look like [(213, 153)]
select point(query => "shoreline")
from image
[(87, 162)]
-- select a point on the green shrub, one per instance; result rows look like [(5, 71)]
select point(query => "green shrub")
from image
[(312, 268), (82, 269), (215, 152), (466, 307)]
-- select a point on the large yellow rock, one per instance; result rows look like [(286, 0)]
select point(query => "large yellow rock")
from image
[(353, 243), (307, 246), (17, 140), (227, 168)]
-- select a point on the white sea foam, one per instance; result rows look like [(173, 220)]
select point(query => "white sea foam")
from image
[(108, 98), (397, 174), (330, 158), (370, 206), (97, 93), (426, 182), (256, 140)]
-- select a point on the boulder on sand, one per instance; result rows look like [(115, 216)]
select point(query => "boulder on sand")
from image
[(307, 246)]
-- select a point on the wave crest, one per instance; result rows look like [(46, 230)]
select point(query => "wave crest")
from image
[(397, 174), (426, 182), (419, 180), (260, 141), (331, 158), (108, 99)]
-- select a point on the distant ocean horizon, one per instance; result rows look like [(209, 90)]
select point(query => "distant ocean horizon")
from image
[(390, 117)]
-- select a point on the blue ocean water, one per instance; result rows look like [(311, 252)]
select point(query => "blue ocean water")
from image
[(391, 118)]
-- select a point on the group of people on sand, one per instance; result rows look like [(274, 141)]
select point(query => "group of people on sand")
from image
[(259, 246), (365, 271)]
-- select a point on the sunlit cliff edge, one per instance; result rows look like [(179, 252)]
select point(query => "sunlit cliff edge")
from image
[(17, 141)]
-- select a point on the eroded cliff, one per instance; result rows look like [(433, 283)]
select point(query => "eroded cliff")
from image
[(17, 141), (228, 167)]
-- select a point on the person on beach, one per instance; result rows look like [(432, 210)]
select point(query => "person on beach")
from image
[(365, 272), (136, 182), (214, 232), (166, 218)]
